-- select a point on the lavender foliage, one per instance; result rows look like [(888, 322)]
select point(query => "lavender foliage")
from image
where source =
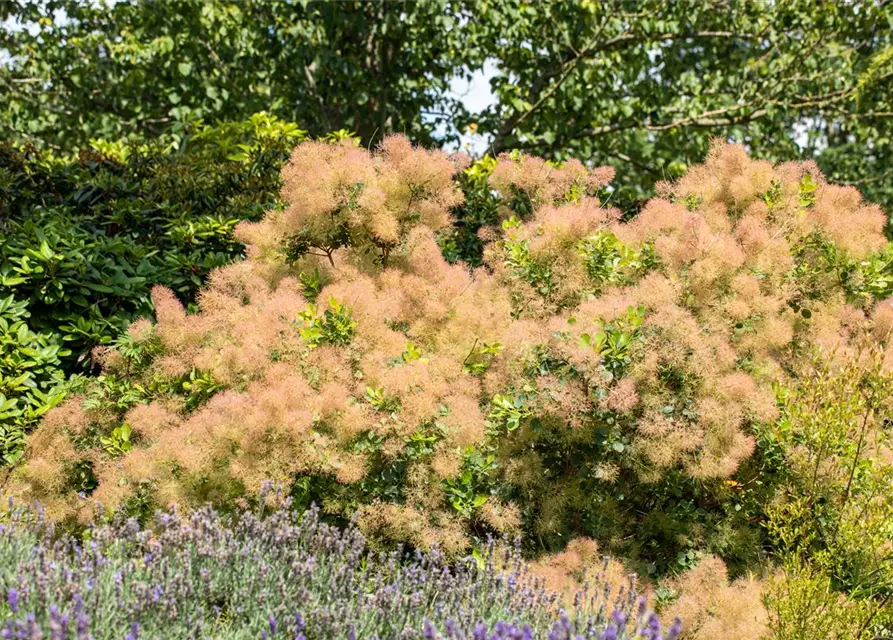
[(203, 575)]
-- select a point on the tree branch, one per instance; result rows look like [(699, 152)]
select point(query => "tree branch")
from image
[(593, 47)]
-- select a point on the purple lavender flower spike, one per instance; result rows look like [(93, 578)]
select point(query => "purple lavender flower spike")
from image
[(192, 570), (675, 630), (12, 597), (82, 626), (618, 617)]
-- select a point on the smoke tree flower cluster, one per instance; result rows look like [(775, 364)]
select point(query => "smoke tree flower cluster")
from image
[(340, 194), (203, 575), (349, 360), (714, 607)]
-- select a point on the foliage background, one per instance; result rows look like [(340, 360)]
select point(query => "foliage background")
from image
[(642, 84)]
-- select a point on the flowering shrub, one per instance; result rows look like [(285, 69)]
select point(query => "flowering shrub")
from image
[(340, 195), (590, 367), (714, 607), (202, 575)]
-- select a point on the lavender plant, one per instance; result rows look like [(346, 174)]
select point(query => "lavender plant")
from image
[(206, 575)]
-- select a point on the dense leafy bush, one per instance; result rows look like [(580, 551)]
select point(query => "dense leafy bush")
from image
[(83, 240), (86, 238), (31, 378), (206, 576), (833, 521), (596, 377)]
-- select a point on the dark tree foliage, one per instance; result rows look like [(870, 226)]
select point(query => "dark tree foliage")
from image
[(644, 85), (85, 70), (640, 84)]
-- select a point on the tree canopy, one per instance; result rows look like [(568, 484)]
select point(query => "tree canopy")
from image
[(644, 84), (87, 70), (647, 84)]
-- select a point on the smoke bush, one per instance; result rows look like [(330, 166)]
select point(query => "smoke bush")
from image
[(349, 360)]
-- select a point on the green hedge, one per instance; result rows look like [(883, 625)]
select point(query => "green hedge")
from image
[(83, 239)]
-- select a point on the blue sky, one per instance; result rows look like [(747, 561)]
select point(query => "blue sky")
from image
[(475, 94)]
